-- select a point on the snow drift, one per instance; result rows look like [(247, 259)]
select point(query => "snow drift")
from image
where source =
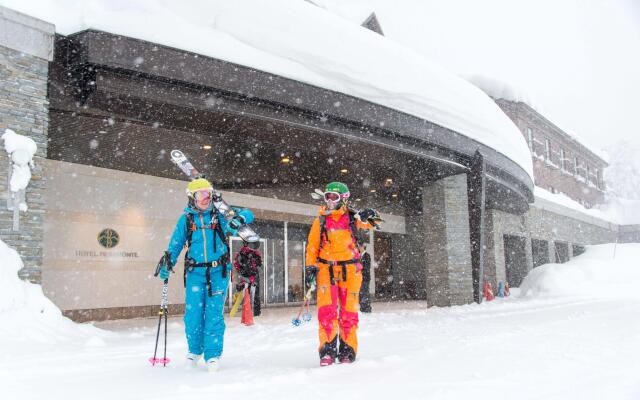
[(26, 313), (603, 271)]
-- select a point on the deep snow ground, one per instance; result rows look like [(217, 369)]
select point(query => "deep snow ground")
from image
[(544, 345)]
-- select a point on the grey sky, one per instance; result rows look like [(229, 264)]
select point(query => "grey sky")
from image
[(579, 61)]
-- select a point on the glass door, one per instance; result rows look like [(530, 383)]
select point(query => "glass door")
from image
[(274, 279), (295, 271)]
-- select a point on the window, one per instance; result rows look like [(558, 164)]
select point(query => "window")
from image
[(598, 185), (588, 174), (562, 165), (547, 150), (530, 138), (575, 166)]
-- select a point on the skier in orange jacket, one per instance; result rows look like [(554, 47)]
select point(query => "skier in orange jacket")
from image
[(333, 265)]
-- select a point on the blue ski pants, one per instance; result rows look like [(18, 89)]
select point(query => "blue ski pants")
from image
[(203, 316)]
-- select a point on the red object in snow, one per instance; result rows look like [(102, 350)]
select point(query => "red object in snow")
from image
[(247, 312), (488, 292), (506, 289)]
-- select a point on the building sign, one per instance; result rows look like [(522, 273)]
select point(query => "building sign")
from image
[(108, 238)]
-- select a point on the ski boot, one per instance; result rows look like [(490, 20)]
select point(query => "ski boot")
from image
[(213, 364), (191, 360), (326, 360)]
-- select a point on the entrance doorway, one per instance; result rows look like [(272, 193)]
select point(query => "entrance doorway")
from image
[(540, 252), (562, 252), (281, 277), (515, 259), (384, 270)]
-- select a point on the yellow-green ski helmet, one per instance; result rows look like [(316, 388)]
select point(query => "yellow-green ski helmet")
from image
[(198, 184)]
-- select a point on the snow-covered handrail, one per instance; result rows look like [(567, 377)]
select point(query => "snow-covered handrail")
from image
[(21, 150)]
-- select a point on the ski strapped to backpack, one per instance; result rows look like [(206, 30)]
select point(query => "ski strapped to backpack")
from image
[(190, 264), (245, 232)]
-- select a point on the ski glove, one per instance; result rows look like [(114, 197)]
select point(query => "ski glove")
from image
[(164, 266), (310, 272), (164, 273), (236, 222), (369, 215)]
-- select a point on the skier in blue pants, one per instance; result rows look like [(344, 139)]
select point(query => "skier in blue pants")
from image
[(207, 270)]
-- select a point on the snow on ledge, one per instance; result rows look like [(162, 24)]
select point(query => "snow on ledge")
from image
[(617, 211), (564, 201), (297, 40)]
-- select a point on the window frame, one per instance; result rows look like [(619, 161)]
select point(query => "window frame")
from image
[(547, 149)]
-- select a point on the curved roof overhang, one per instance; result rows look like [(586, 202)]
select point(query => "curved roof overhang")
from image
[(100, 61)]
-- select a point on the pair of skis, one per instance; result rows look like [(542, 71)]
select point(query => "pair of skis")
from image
[(244, 232)]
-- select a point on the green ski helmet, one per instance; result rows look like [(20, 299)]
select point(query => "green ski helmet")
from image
[(336, 194)]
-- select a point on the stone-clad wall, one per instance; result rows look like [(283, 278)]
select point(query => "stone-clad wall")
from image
[(26, 47), (629, 234), (545, 221)]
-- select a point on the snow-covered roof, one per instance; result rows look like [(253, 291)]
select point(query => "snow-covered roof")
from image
[(297, 40)]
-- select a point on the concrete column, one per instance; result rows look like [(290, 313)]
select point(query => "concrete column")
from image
[(447, 243), (529, 254), (498, 224), (570, 245), (494, 252), (552, 251), (490, 259), (26, 47)]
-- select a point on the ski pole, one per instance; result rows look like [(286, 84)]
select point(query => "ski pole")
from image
[(305, 305), (163, 312)]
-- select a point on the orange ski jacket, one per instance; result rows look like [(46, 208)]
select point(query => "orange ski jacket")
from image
[(339, 244)]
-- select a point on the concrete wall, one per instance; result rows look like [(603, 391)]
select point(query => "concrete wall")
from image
[(629, 234), (546, 221), (26, 47)]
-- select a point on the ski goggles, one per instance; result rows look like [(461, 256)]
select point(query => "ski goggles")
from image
[(335, 196), (204, 194)]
